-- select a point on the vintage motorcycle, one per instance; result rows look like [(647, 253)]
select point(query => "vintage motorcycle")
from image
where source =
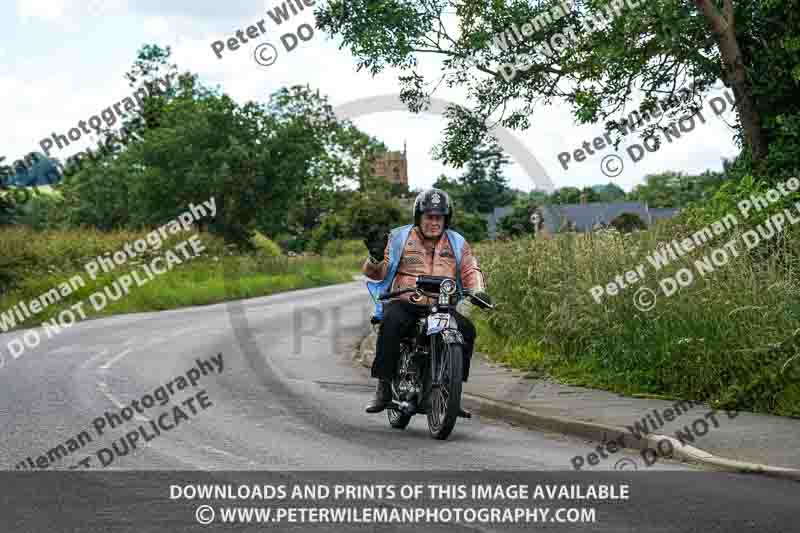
[(431, 364)]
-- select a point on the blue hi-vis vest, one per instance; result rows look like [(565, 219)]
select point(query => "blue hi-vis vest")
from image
[(397, 242)]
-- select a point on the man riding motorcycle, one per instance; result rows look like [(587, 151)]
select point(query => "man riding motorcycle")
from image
[(424, 252)]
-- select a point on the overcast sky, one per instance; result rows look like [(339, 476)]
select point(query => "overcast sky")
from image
[(62, 61)]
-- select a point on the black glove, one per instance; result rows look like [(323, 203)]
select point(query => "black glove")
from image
[(376, 243)]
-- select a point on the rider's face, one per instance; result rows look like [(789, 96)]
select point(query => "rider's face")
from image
[(432, 225)]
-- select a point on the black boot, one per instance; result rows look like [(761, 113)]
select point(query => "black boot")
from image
[(383, 397)]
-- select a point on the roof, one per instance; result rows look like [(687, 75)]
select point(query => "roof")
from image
[(660, 213), (585, 216)]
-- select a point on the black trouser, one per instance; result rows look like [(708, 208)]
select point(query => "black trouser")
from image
[(399, 318)]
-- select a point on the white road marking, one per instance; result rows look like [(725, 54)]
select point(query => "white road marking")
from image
[(92, 358), (115, 359), (238, 457), (102, 387)]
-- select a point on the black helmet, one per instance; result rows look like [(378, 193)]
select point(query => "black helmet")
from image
[(433, 202)]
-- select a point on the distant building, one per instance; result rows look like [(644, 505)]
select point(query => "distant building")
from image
[(392, 166), (582, 217)]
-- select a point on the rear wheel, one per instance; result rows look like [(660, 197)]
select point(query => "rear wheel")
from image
[(446, 397)]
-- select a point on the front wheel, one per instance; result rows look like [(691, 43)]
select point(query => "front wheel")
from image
[(446, 397)]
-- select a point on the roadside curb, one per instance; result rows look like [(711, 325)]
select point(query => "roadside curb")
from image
[(595, 431), (604, 433)]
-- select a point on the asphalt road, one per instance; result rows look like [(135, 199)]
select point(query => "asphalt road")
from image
[(289, 399)]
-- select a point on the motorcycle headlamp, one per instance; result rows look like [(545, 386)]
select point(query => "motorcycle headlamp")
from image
[(448, 287)]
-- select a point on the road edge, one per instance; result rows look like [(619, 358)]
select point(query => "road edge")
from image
[(598, 432)]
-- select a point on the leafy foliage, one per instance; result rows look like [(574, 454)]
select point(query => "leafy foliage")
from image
[(627, 222), (483, 186), (518, 223), (647, 53), (276, 167), (676, 189), (265, 246), (472, 226)]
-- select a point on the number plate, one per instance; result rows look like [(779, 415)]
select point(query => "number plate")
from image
[(438, 322)]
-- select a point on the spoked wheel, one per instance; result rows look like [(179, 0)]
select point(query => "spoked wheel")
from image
[(446, 397)]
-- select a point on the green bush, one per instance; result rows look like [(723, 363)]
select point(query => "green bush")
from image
[(27, 254), (627, 222), (291, 243), (518, 223), (334, 227), (341, 247), (265, 246), (473, 227), (729, 338), (45, 210)]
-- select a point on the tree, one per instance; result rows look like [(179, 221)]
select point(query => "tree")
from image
[(536, 197), (518, 222), (277, 167), (472, 226), (12, 197), (627, 222), (453, 187), (610, 192), (371, 214), (566, 195), (338, 152), (485, 186), (750, 46), (676, 189)]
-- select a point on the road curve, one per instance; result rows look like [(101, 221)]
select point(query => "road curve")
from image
[(288, 398)]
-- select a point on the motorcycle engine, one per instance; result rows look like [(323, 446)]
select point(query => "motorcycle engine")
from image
[(408, 383)]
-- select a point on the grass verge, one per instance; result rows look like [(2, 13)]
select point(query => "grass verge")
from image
[(730, 337), (45, 260)]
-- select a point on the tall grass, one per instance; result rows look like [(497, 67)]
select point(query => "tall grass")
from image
[(32, 263), (728, 337)]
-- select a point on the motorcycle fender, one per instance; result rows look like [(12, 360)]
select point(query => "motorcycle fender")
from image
[(452, 336)]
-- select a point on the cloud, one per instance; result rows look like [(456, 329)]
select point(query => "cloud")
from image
[(43, 9), (210, 9)]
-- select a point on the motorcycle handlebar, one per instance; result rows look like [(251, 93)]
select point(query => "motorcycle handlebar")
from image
[(467, 293)]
